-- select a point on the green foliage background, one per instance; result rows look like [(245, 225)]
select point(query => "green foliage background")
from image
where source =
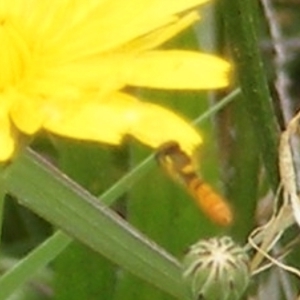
[(60, 242)]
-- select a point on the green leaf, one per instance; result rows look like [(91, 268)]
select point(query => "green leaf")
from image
[(49, 193), (95, 169), (27, 268)]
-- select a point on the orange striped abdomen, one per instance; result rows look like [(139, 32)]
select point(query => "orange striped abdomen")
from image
[(212, 204)]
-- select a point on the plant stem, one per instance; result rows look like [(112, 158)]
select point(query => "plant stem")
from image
[(241, 21)]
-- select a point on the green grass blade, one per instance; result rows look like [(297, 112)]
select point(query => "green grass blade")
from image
[(26, 268), (46, 191), (218, 106), (128, 180), (95, 169)]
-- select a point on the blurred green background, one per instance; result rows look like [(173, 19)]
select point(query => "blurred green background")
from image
[(232, 159)]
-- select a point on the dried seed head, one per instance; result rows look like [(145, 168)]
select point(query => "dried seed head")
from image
[(216, 269)]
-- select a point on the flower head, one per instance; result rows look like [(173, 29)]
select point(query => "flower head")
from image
[(216, 268), (65, 64)]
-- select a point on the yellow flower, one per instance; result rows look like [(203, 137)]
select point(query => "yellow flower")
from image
[(65, 64)]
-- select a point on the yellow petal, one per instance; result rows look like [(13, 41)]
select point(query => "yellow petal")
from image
[(26, 114), (103, 121), (176, 69), (7, 146), (121, 115), (156, 126), (90, 29), (7, 143), (14, 55), (97, 73), (163, 8), (156, 38)]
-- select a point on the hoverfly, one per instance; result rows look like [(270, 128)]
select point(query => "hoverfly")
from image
[(182, 169)]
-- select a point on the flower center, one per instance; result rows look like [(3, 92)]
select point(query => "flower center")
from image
[(14, 54)]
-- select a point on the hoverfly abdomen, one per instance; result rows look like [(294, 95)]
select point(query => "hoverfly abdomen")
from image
[(212, 204)]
